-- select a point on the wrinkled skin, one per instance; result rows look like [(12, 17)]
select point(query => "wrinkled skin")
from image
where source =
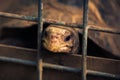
[(60, 39)]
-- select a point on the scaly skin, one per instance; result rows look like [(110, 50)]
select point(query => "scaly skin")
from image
[(61, 39)]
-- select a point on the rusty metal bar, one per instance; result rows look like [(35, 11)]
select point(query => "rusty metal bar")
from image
[(103, 29), (19, 61), (40, 31), (17, 16), (103, 74), (51, 21), (58, 67), (61, 68), (84, 40)]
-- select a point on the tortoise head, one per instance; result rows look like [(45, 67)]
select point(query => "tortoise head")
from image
[(60, 39)]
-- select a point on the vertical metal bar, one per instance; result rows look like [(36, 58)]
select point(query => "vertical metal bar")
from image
[(40, 30), (84, 40)]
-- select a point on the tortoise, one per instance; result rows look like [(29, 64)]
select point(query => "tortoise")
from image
[(70, 12)]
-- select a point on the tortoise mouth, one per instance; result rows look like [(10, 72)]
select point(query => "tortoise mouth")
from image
[(65, 49), (58, 49)]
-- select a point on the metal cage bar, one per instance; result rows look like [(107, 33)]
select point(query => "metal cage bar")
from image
[(51, 21), (40, 31), (84, 40)]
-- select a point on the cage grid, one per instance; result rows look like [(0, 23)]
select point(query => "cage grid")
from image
[(40, 64)]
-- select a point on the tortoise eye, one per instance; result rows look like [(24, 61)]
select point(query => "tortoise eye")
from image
[(68, 38)]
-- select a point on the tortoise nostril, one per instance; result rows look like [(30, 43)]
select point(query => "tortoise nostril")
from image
[(68, 38)]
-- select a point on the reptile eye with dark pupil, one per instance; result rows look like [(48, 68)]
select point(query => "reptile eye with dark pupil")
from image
[(68, 38)]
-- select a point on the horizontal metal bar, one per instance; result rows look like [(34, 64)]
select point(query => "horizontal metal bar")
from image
[(17, 16), (35, 19), (63, 68), (105, 29), (33, 63), (58, 67), (103, 74), (19, 61), (51, 21)]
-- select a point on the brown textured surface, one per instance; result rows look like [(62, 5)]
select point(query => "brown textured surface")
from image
[(11, 71)]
